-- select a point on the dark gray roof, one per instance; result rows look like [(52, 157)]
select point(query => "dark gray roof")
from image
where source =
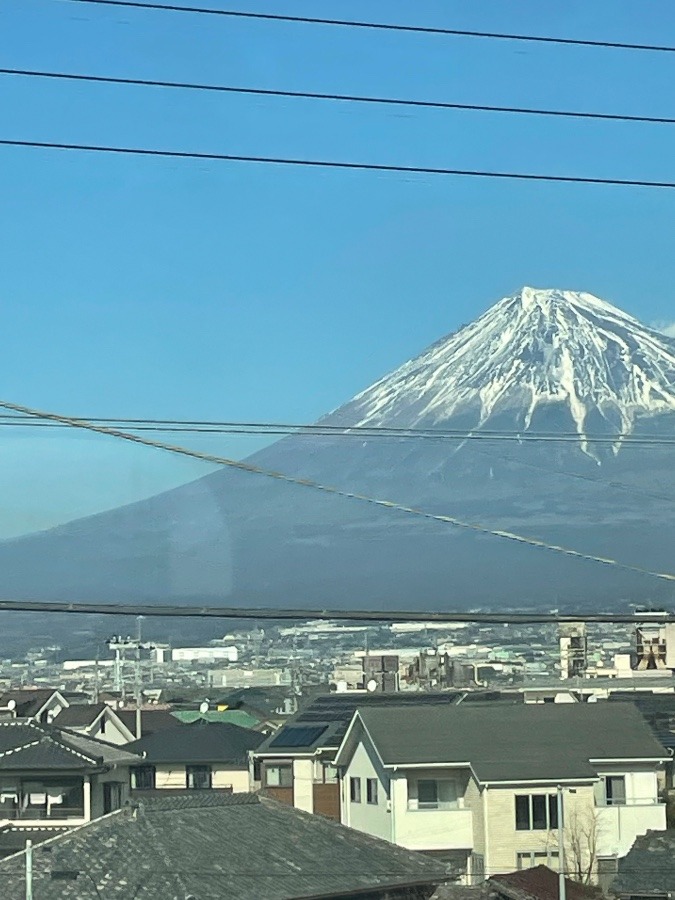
[(649, 866), (502, 743), (79, 715), (333, 712), (26, 744), (28, 701), (199, 742), (248, 849), (152, 720)]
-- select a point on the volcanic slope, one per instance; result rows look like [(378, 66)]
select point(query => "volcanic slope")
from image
[(551, 362)]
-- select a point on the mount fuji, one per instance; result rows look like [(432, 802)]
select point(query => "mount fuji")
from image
[(549, 416)]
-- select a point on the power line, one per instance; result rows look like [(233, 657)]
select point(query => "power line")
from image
[(343, 431), (381, 26), (341, 615), (253, 469), (334, 164), (348, 98)]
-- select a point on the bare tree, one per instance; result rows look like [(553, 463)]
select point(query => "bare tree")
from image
[(581, 843)]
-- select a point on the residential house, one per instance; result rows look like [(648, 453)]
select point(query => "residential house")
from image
[(648, 870), (480, 782), (296, 763), (206, 846), (41, 704), (202, 755), (51, 779), (96, 720)]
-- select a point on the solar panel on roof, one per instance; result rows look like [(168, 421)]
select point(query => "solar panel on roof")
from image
[(298, 736)]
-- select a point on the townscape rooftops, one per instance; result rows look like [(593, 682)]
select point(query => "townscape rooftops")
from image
[(649, 866), (513, 743), (25, 744), (199, 742), (246, 847)]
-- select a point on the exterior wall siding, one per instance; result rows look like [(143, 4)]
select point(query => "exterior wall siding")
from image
[(373, 818), (173, 776)]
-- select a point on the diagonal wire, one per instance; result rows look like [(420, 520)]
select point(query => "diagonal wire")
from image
[(328, 489), (332, 164), (346, 98), (379, 26)]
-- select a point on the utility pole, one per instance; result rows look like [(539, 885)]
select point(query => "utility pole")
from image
[(29, 870), (562, 887), (137, 678)]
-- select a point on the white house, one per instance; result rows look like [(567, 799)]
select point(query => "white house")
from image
[(479, 783)]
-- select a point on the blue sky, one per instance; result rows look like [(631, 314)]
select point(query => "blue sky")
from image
[(181, 289)]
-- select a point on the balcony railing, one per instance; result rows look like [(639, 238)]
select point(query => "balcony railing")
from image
[(55, 813), (604, 802), (417, 806)]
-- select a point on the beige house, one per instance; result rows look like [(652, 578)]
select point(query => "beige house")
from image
[(484, 785), (198, 756)]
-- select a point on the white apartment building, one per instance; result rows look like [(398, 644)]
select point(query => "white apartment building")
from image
[(479, 783)]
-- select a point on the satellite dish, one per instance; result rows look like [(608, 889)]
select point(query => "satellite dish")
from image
[(11, 704), (372, 685), (204, 706)]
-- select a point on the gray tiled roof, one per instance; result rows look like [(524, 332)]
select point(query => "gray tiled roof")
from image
[(256, 849), (528, 742), (199, 742), (25, 744), (649, 866)]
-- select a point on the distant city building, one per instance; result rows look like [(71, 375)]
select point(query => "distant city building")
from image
[(241, 678), (195, 654)]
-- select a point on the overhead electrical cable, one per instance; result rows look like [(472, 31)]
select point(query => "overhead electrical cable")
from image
[(346, 98), (253, 469), (326, 615), (334, 164), (380, 26), (344, 431)]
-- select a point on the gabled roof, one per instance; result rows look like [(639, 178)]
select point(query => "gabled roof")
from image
[(557, 741), (80, 715), (538, 883), (649, 866), (29, 701), (29, 745), (199, 742), (86, 715), (245, 847)]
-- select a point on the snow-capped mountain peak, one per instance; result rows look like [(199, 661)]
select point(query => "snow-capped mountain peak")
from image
[(532, 352)]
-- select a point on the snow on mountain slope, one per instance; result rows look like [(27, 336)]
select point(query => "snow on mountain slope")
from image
[(531, 350)]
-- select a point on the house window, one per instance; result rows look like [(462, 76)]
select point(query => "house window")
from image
[(355, 790), (536, 812), (371, 790), (112, 796), (615, 790), (279, 776), (198, 778), (142, 778), (102, 725), (324, 773), (434, 794), (530, 859)]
